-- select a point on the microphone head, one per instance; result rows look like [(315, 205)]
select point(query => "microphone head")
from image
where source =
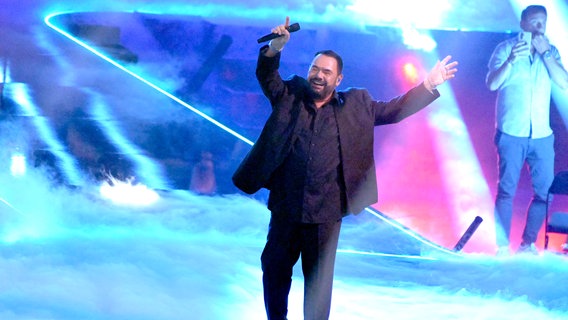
[(293, 27)]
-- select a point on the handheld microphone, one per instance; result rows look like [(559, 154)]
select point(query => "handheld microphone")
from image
[(291, 28)]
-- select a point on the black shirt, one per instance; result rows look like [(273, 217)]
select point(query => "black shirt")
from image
[(308, 186)]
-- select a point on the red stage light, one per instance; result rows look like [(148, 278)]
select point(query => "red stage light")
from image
[(410, 73)]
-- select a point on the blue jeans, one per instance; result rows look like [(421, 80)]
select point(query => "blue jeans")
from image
[(513, 152)]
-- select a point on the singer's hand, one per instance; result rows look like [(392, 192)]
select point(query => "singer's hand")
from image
[(441, 72), (279, 43)]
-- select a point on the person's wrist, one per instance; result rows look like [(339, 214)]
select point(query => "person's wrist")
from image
[(274, 47), (547, 54), (429, 85)]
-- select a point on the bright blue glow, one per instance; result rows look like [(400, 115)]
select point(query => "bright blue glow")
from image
[(416, 40), (220, 125), (18, 165), (418, 14), (20, 95), (6, 77), (147, 170), (410, 233), (388, 255), (7, 204), (147, 82), (126, 193), (466, 189)]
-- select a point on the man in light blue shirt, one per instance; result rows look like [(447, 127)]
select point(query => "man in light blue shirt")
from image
[(522, 70)]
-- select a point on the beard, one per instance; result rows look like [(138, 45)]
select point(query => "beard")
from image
[(319, 89)]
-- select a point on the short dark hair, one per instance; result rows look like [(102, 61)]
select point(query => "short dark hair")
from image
[(532, 9), (333, 54)]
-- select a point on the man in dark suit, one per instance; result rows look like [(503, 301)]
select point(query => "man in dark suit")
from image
[(315, 155)]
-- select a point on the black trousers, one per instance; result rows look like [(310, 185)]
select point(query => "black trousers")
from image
[(317, 245)]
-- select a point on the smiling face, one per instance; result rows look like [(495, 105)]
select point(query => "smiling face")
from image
[(323, 77)]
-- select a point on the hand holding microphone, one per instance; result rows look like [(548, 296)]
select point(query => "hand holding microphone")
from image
[(280, 35), (291, 28)]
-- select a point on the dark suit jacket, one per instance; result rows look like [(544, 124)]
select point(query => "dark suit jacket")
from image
[(356, 113)]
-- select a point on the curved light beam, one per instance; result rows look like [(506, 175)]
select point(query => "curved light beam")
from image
[(47, 21), (405, 230)]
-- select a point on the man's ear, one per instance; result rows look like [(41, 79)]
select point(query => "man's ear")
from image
[(339, 78)]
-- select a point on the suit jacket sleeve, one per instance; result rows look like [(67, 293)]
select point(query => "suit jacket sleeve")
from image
[(403, 106), (276, 137), (355, 122)]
